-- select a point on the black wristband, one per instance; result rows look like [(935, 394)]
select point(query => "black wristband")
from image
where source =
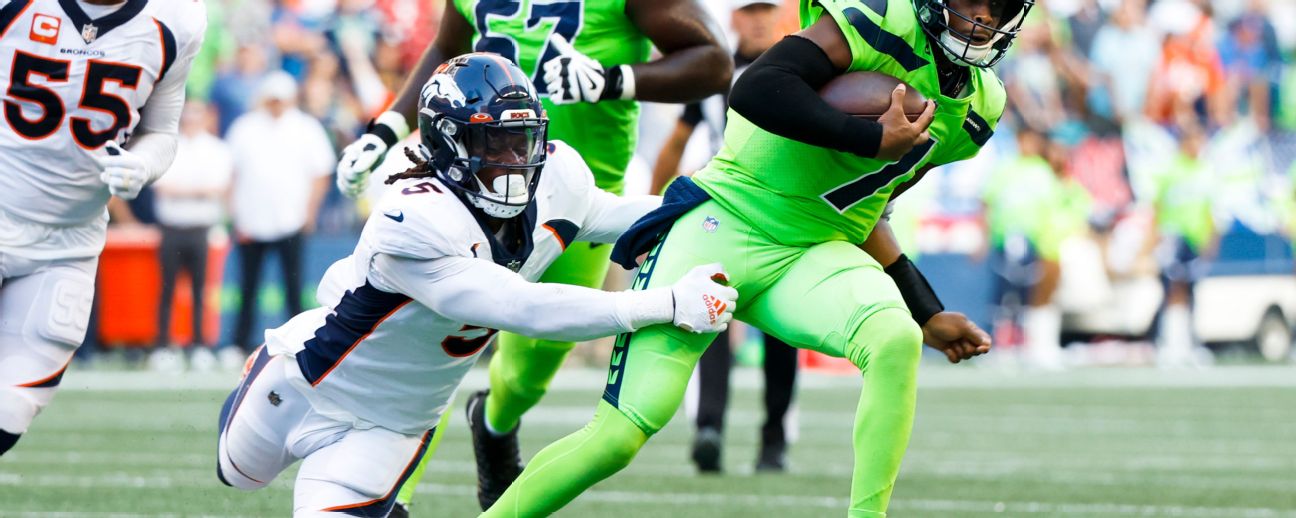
[(917, 293), (382, 131), (613, 84)]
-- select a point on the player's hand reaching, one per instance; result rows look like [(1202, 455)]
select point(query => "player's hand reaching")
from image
[(573, 77), (123, 171), (367, 152), (898, 134), (703, 303), (956, 336)]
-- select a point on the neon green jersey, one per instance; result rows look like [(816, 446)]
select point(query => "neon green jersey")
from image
[(1020, 196), (604, 133), (802, 194), (1183, 201)]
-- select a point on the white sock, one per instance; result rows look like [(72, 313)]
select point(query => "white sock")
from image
[(1042, 326)]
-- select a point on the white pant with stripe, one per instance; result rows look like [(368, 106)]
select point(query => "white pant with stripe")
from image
[(267, 425)]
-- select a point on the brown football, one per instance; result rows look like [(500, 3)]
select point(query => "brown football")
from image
[(868, 95)]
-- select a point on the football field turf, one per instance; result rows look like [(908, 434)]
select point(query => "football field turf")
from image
[(1099, 442)]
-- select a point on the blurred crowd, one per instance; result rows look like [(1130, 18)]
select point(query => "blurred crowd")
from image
[(1146, 128), (1138, 134)]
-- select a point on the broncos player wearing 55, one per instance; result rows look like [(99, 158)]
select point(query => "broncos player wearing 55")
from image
[(93, 91), (450, 254), (590, 62), (792, 206)]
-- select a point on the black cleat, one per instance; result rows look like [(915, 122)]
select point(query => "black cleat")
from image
[(498, 461), (399, 511), (771, 459), (706, 450)]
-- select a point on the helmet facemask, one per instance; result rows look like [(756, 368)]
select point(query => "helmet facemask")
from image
[(958, 46), (495, 165)]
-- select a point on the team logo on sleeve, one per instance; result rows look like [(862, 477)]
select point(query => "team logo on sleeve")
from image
[(45, 29)]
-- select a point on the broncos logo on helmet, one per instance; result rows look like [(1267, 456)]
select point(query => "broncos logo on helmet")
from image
[(484, 126)]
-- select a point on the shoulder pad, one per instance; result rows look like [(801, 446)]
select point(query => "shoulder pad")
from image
[(419, 218)]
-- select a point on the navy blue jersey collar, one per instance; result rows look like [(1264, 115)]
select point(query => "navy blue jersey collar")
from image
[(104, 24)]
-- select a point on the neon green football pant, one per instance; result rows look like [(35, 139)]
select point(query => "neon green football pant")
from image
[(831, 296), (521, 369)]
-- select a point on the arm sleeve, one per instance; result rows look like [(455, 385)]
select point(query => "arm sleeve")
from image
[(780, 94), (482, 293)]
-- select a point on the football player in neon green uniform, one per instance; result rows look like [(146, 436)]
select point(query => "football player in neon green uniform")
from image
[(792, 207), (590, 62)]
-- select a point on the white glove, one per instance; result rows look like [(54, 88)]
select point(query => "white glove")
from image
[(124, 172), (367, 152), (703, 304), (572, 77)]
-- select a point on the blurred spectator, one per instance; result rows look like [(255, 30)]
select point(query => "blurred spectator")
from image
[(1184, 240), (282, 163), (231, 94), (1189, 86), (1032, 79), (1124, 53), (189, 202), (1030, 211), (1249, 53)]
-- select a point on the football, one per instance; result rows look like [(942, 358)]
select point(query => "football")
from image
[(868, 95)]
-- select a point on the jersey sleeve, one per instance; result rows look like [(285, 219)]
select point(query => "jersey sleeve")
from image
[(605, 215), (481, 293), (880, 33), (180, 35)]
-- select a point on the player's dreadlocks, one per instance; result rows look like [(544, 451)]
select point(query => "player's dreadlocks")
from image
[(422, 168)]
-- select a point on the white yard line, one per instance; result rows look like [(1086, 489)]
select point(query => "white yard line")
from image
[(590, 378), (127, 481)]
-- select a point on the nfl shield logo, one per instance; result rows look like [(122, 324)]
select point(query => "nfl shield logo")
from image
[(710, 224), (89, 32)]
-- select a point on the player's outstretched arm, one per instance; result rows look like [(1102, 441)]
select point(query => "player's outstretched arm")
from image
[(482, 293), (780, 94), (694, 62), (365, 154), (946, 331)]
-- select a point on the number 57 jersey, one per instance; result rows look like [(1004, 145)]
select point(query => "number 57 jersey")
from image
[(73, 80)]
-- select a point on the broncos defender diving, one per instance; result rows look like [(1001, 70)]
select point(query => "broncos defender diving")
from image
[(448, 257)]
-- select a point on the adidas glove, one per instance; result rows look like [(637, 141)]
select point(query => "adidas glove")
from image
[(703, 303), (366, 153), (572, 77)]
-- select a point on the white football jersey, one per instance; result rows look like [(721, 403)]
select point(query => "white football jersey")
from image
[(374, 356), (70, 84)]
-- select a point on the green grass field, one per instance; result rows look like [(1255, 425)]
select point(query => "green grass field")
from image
[(1112, 442)]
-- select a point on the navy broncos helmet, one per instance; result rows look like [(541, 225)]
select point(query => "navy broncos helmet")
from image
[(482, 122), (961, 47)]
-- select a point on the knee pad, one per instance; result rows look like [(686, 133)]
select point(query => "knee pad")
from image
[(888, 340), (229, 474), (616, 437), (19, 405)]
